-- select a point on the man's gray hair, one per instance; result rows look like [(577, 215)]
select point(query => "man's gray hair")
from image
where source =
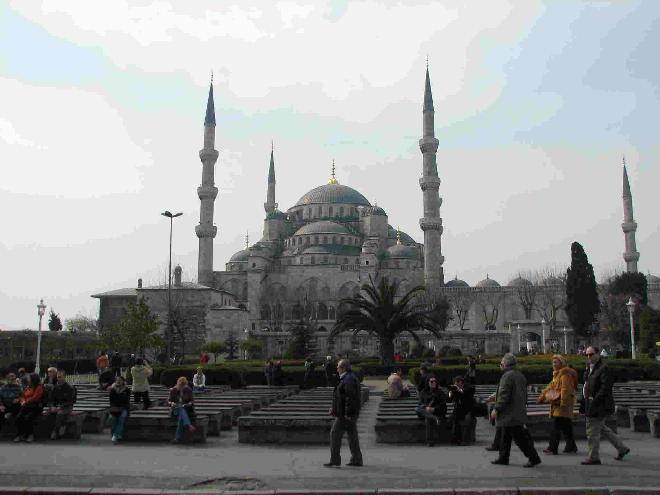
[(344, 364), (509, 360)]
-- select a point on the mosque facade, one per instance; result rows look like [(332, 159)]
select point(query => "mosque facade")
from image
[(330, 242)]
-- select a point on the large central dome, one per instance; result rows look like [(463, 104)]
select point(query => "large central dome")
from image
[(333, 193)]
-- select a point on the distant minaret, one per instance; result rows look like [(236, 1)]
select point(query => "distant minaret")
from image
[(207, 193), (270, 205), (629, 225), (431, 223)]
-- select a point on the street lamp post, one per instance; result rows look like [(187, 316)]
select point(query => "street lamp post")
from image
[(631, 309), (519, 337), (169, 285), (543, 334), (41, 311), (565, 341)]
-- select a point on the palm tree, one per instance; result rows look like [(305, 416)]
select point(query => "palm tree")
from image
[(379, 311)]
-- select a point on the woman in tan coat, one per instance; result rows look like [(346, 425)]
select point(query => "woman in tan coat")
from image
[(560, 394)]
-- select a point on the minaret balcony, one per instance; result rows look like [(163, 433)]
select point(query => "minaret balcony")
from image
[(629, 227), (207, 192), (207, 154), (628, 257), (428, 144), (205, 231), (430, 223), (429, 182)]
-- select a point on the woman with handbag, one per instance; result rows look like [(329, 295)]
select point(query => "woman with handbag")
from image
[(120, 405), (560, 394), (181, 406), (31, 408)]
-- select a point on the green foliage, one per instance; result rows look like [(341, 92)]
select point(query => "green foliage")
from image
[(232, 345), (380, 311), (630, 285), (215, 347), (137, 330), (582, 303), (54, 322), (81, 324), (649, 323), (302, 344), (252, 346)]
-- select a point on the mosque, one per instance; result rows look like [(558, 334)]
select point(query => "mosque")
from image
[(330, 242)]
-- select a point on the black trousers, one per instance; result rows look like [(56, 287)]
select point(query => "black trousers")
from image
[(26, 419), (523, 439), (339, 427), (497, 441), (565, 426), (142, 397)]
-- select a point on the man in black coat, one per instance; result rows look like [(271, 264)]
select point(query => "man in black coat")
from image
[(115, 364), (598, 405), (345, 410), (423, 382)]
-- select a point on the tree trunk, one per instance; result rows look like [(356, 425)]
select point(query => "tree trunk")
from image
[(386, 350)]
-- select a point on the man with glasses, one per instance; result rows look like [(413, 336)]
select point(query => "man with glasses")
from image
[(598, 406), (510, 413)]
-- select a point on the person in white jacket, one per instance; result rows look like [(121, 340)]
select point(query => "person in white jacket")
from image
[(199, 381), (140, 374)]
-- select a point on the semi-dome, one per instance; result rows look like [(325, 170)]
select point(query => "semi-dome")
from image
[(488, 282), (456, 282), (519, 282), (376, 211), (402, 251), (333, 193), (240, 257), (322, 227)]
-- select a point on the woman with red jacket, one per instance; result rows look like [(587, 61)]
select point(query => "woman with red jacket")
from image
[(31, 409)]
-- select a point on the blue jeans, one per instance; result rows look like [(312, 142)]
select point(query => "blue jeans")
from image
[(421, 410), (182, 422), (118, 424)]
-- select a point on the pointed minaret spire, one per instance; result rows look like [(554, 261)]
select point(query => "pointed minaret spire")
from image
[(333, 178), (629, 226), (270, 205), (247, 239), (207, 192), (431, 222)]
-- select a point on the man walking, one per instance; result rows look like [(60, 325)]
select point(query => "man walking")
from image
[(510, 413), (598, 405), (345, 409)]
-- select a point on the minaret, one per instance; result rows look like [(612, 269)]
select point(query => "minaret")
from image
[(270, 205), (207, 193), (431, 223), (629, 226)]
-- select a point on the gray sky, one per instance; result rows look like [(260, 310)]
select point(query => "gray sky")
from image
[(103, 103)]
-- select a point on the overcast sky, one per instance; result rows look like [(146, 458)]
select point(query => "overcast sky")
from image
[(102, 107)]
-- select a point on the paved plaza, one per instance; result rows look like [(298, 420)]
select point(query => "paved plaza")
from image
[(223, 463)]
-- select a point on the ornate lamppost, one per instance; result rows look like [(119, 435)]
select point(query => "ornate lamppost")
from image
[(565, 332), (169, 285), (543, 334), (631, 309), (41, 311), (519, 337)]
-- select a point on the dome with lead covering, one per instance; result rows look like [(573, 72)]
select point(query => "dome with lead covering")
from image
[(401, 251), (322, 227), (333, 193), (519, 282), (240, 257), (456, 282), (488, 282)]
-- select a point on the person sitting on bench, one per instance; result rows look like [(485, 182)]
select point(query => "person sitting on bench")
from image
[(106, 379), (181, 405), (432, 407), (60, 403), (395, 388), (9, 396), (31, 409), (199, 381), (120, 405)]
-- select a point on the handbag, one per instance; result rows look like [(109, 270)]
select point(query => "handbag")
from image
[(552, 395)]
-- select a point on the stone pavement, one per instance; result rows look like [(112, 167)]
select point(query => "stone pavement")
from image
[(223, 463)]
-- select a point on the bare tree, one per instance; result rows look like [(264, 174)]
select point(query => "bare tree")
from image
[(551, 293), (490, 302), (526, 293), (461, 299)]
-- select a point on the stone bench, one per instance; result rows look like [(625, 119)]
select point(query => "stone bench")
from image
[(412, 429), (285, 429), (145, 426), (654, 422), (45, 425)]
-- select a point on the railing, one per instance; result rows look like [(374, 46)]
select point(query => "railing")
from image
[(350, 268)]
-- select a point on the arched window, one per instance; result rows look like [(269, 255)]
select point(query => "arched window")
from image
[(307, 240), (334, 239), (265, 312), (325, 239), (341, 240), (316, 239), (322, 312), (296, 312), (366, 262), (325, 260), (341, 211), (278, 312), (345, 261), (331, 313), (313, 260), (330, 211), (320, 211)]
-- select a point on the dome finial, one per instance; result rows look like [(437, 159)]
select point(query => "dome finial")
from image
[(247, 240), (398, 235), (333, 178)]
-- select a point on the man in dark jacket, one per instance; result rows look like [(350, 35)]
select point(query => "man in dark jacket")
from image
[(423, 382), (115, 363), (60, 403), (462, 396), (329, 370), (510, 413), (432, 407), (9, 395), (345, 410), (598, 405)]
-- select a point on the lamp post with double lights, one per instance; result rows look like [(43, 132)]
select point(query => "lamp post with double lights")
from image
[(631, 309), (41, 311), (171, 216)]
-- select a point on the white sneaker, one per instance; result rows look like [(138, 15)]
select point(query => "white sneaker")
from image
[(114, 439), (62, 431)]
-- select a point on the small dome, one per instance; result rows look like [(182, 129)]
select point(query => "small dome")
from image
[(519, 282), (401, 251), (456, 282), (376, 211), (333, 193), (488, 282), (322, 227), (240, 257), (405, 238)]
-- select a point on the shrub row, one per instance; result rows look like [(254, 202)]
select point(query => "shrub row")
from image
[(70, 366)]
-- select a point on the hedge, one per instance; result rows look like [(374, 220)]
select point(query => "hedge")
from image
[(70, 366)]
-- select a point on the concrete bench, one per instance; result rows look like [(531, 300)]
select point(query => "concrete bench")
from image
[(45, 425), (409, 429), (285, 429), (654, 422), (145, 426)]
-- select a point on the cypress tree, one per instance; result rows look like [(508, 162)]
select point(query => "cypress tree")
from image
[(582, 303)]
